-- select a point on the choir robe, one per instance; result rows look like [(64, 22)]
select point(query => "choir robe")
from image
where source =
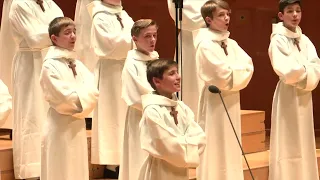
[(111, 44), (83, 47), (29, 26), (64, 153), (191, 20), (134, 84), (7, 51), (5, 103), (230, 73), (173, 149), (292, 140)]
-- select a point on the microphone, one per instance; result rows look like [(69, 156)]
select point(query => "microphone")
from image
[(215, 90)]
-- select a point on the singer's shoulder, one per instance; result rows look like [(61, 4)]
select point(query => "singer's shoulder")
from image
[(185, 107), (231, 41)]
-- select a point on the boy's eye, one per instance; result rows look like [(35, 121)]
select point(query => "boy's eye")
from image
[(172, 73)]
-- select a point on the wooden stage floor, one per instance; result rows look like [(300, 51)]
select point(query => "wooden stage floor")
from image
[(257, 161)]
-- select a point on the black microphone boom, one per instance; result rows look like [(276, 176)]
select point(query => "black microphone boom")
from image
[(179, 7), (216, 90)]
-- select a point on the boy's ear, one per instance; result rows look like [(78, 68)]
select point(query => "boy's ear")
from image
[(208, 20), (54, 38), (134, 38), (280, 15), (156, 81)]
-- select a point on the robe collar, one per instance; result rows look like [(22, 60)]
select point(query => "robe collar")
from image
[(139, 56), (55, 52), (155, 99), (208, 34), (279, 28), (98, 6)]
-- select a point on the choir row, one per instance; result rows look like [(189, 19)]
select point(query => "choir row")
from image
[(139, 123)]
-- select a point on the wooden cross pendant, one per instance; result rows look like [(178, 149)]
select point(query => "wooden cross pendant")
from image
[(40, 2), (73, 67), (224, 46), (174, 114), (120, 20), (296, 42)]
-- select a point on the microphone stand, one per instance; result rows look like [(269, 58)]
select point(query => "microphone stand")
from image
[(179, 7), (236, 134)]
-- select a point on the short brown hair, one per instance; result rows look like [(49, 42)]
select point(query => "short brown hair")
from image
[(210, 7), (284, 3), (156, 69), (142, 24), (58, 23)]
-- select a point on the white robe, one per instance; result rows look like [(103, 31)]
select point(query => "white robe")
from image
[(7, 51), (30, 30), (83, 46), (191, 20), (173, 149), (111, 44), (292, 141), (64, 153), (134, 84), (230, 74), (5, 103)]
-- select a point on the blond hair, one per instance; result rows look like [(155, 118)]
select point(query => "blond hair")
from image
[(142, 24)]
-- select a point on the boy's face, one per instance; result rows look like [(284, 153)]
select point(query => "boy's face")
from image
[(291, 16), (170, 82), (67, 37), (220, 20), (147, 39)]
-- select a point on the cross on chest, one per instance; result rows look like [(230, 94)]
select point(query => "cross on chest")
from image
[(296, 42), (72, 66), (174, 114), (40, 2), (224, 47), (120, 20)]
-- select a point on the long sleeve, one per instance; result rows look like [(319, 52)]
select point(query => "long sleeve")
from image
[(160, 141), (242, 69), (87, 92), (312, 68), (5, 103), (285, 63), (194, 131), (68, 98), (215, 67), (191, 15), (133, 85), (25, 23), (108, 40)]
